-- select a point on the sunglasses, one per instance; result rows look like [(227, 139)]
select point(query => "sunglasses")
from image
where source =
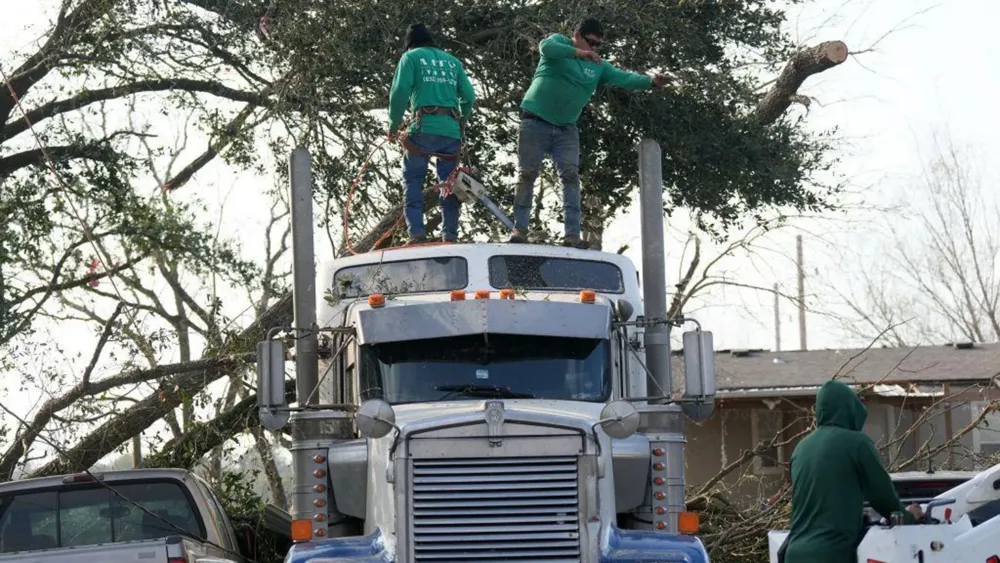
[(595, 43)]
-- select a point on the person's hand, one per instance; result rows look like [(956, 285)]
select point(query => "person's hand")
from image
[(916, 511), (393, 135), (661, 80), (588, 56)]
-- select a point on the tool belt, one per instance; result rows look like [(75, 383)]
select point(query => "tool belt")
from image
[(404, 139)]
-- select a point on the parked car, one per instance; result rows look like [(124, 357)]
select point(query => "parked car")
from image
[(148, 515)]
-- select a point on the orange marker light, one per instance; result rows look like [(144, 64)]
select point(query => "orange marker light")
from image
[(660, 525), (687, 522), (506, 294), (658, 466), (658, 451), (482, 294), (587, 296), (658, 480), (319, 459), (301, 530), (376, 300), (659, 496), (319, 473), (660, 510), (458, 295)]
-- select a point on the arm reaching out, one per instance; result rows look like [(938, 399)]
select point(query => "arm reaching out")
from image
[(615, 76), (876, 484)]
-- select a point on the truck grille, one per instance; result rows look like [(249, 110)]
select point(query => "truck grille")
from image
[(501, 509)]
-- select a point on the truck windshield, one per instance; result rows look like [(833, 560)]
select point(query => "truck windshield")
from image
[(92, 514), (486, 366)]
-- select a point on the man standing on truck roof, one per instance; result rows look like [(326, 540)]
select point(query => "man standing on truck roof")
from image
[(434, 86), (834, 470), (567, 76)]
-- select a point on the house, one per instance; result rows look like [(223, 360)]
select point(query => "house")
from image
[(917, 399)]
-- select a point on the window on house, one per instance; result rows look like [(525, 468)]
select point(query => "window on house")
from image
[(986, 436), (765, 424)]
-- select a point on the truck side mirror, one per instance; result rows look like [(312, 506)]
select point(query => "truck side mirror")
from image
[(375, 418), (623, 310), (271, 404), (619, 419), (699, 374)]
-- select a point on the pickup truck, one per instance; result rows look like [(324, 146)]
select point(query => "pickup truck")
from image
[(137, 515)]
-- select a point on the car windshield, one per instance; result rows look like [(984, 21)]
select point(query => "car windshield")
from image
[(487, 366), (93, 514)]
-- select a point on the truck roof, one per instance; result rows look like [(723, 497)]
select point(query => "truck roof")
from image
[(921, 475), (106, 476), (608, 274), (478, 249)]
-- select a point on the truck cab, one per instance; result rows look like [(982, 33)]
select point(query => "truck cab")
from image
[(488, 402)]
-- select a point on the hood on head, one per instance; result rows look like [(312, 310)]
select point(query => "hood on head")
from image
[(838, 405)]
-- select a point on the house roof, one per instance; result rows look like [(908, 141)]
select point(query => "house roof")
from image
[(806, 370)]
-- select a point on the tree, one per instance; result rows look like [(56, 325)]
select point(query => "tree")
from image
[(729, 152), (935, 279)]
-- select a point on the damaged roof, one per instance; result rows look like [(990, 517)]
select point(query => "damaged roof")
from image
[(761, 370)]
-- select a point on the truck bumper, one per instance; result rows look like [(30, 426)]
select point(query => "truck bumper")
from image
[(624, 546), (361, 549), (646, 546)]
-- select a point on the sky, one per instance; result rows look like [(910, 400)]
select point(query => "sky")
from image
[(917, 67)]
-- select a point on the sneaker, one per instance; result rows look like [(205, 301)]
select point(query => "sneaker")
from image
[(416, 240), (517, 237), (575, 242)]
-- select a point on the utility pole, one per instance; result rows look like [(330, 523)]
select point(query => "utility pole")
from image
[(777, 320), (802, 293)]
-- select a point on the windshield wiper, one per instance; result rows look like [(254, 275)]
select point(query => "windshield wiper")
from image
[(489, 391)]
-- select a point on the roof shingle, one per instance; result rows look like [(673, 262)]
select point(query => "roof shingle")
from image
[(765, 369)]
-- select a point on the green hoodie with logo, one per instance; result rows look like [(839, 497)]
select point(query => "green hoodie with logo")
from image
[(428, 76), (834, 470)]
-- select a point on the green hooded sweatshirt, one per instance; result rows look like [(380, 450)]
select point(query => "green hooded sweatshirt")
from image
[(563, 84), (428, 76), (834, 470)]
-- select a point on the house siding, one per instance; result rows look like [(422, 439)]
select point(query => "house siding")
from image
[(728, 435)]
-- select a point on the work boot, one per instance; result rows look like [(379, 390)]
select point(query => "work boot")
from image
[(575, 242), (416, 240), (449, 239), (517, 237)]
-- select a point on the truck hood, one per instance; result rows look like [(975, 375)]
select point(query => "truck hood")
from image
[(575, 412)]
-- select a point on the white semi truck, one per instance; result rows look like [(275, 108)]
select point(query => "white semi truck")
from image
[(959, 526), (487, 402)]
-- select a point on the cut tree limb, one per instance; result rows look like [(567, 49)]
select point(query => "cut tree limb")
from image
[(802, 65), (132, 421), (204, 437), (214, 364)]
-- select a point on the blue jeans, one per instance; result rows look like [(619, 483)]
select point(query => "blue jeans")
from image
[(538, 138), (414, 174)]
